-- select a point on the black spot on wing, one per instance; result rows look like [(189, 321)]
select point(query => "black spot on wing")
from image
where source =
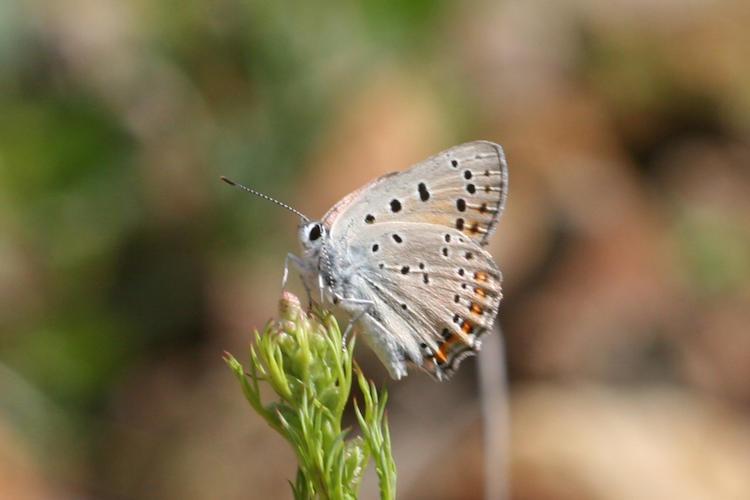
[(424, 194)]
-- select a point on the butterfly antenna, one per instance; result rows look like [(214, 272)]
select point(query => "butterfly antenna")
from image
[(265, 197)]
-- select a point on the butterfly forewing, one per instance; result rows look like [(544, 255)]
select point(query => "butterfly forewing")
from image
[(432, 286), (463, 188)]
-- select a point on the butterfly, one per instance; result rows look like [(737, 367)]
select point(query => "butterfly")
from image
[(404, 256)]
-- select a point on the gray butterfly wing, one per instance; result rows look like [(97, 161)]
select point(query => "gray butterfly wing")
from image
[(434, 292), (464, 187)]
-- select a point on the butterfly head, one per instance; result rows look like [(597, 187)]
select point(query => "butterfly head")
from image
[(312, 235), (315, 266)]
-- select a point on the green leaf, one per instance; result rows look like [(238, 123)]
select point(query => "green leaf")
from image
[(304, 359)]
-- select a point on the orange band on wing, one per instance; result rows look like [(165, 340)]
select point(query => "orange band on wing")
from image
[(441, 354)]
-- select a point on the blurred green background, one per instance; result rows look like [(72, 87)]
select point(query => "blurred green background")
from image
[(127, 267)]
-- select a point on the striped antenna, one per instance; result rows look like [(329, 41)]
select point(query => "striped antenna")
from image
[(265, 197)]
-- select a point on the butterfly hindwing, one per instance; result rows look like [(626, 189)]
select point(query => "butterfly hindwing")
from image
[(464, 188), (432, 286)]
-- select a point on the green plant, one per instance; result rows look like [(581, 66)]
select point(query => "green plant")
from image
[(306, 361)]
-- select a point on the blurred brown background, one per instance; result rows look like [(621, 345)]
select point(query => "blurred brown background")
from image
[(126, 267)]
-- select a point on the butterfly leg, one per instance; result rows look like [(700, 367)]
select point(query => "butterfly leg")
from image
[(321, 287), (361, 306), (297, 262)]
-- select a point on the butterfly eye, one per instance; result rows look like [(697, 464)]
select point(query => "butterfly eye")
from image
[(315, 232)]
